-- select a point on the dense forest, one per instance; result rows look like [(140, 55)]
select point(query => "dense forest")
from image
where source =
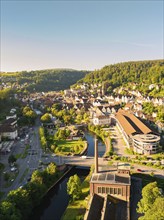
[(43, 80), (135, 75), (140, 73)]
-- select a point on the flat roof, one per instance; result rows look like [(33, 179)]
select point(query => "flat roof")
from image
[(146, 138), (113, 178)]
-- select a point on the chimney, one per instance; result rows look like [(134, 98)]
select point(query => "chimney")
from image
[(96, 155)]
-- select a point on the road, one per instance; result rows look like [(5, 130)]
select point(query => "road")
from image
[(35, 156), (28, 164)]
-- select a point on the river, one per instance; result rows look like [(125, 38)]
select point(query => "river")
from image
[(101, 146), (56, 200)]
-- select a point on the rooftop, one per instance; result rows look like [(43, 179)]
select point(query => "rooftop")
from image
[(146, 138), (107, 178), (131, 124)]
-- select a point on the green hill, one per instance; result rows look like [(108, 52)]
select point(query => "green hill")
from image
[(43, 80), (140, 73)]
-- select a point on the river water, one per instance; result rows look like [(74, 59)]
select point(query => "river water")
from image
[(101, 146), (56, 200)]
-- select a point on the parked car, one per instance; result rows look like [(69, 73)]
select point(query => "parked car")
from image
[(139, 170), (13, 169), (84, 157)]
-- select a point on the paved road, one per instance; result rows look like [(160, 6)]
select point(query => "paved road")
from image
[(28, 164), (35, 156), (90, 160)]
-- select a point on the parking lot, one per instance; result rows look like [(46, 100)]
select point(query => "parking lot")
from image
[(118, 142)]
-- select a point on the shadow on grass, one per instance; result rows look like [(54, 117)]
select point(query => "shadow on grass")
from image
[(148, 179)]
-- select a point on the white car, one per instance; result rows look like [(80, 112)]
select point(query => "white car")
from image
[(84, 157), (13, 169)]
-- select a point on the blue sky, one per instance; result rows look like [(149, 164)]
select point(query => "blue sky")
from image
[(79, 34)]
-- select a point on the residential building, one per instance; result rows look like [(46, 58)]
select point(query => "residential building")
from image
[(9, 129), (102, 120)]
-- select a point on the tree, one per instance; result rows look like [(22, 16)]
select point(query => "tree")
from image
[(29, 115), (53, 147), (37, 177), (62, 134), (79, 118), (46, 118), (74, 187), (20, 197), (86, 117), (42, 138), (9, 211), (26, 109), (156, 212), (51, 169), (12, 159), (67, 119), (35, 191), (57, 106), (151, 195)]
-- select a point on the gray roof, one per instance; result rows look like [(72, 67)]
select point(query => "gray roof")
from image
[(107, 178)]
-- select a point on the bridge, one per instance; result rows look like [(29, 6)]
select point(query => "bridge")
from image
[(82, 162)]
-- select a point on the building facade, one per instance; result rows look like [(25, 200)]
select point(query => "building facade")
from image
[(136, 134), (114, 184)]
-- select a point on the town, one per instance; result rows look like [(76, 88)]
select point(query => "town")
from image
[(55, 131), (82, 110)]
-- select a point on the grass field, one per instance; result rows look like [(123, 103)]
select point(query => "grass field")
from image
[(69, 147)]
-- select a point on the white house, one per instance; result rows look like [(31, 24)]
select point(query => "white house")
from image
[(102, 120), (8, 132)]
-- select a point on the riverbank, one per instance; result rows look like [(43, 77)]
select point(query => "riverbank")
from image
[(108, 145), (56, 200), (103, 135), (62, 175), (76, 209), (85, 149)]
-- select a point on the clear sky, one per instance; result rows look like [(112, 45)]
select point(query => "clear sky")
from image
[(79, 34)]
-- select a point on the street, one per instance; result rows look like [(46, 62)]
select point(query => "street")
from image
[(36, 159)]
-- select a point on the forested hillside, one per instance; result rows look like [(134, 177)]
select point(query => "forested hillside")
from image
[(43, 80), (142, 73)]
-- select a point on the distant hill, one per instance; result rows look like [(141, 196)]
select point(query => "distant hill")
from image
[(44, 80), (140, 73)]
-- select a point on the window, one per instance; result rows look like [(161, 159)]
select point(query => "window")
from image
[(119, 191), (99, 190), (111, 190), (107, 190), (103, 189), (115, 190)]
